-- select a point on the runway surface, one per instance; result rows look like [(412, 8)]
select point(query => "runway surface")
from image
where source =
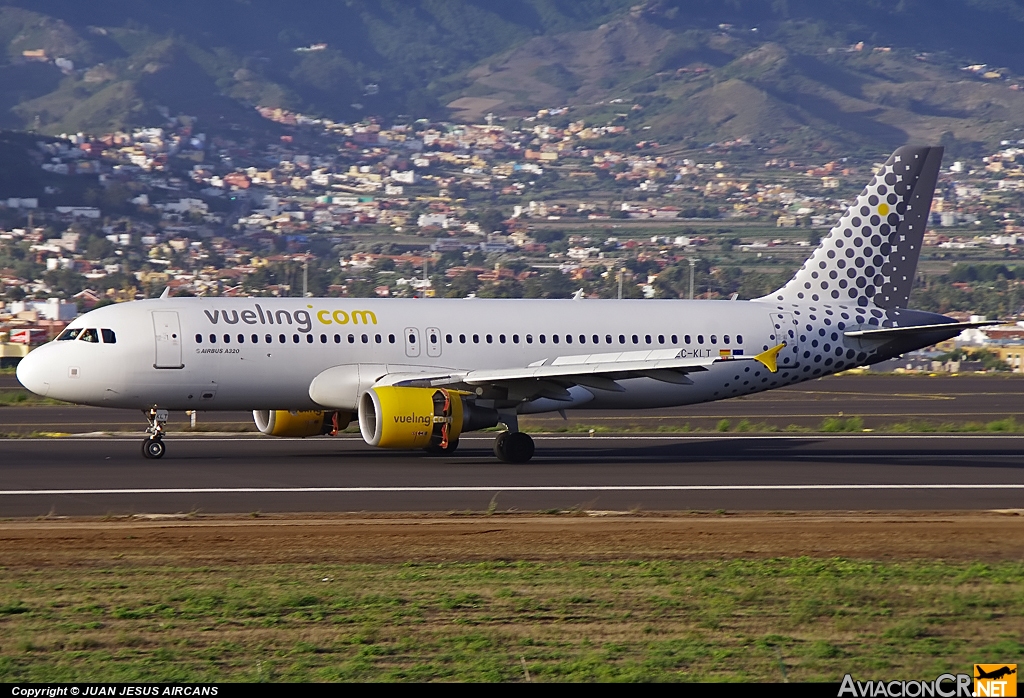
[(879, 400), (240, 474)]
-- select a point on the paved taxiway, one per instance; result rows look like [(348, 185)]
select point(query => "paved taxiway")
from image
[(240, 474)]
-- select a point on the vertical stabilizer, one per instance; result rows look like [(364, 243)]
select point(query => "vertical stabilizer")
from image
[(870, 257)]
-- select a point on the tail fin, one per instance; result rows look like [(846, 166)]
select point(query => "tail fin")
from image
[(870, 257)]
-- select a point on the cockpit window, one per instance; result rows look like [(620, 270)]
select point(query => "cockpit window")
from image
[(108, 336), (89, 335), (69, 333)]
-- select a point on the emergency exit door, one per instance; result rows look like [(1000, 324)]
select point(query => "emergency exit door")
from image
[(433, 341), (412, 342), (785, 329)]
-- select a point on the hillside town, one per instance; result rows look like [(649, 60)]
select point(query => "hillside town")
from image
[(540, 206)]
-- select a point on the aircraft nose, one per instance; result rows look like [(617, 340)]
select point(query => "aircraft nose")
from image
[(32, 372)]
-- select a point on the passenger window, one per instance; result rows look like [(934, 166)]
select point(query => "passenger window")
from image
[(351, 339), (89, 335), (490, 339), (597, 340), (73, 333), (366, 340), (714, 339), (686, 339), (568, 339), (462, 339), (739, 339), (636, 340), (554, 338), (323, 339), (543, 339), (501, 338), (227, 339), (337, 339), (377, 338), (647, 338), (108, 336), (391, 338), (661, 339), (700, 339), (433, 338), (448, 338), (725, 339), (476, 339), (675, 339), (213, 339), (199, 338), (309, 339), (255, 339), (295, 338), (241, 339), (622, 339), (608, 339), (281, 338), (515, 339), (269, 338)]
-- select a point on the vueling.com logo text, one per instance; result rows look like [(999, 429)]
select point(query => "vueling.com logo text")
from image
[(301, 319)]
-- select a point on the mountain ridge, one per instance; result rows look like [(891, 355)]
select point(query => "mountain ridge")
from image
[(695, 71)]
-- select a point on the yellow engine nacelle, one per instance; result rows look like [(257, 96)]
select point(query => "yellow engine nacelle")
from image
[(397, 417), (300, 423)]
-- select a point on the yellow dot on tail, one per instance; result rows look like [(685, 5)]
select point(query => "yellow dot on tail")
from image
[(883, 209)]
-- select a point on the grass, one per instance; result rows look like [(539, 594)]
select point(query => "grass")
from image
[(20, 396), (805, 619)]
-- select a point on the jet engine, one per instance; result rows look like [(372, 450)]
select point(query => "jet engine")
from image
[(300, 423), (431, 418)]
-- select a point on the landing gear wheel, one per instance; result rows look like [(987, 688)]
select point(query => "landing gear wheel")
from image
[(153, 448), (436, 450), (513, 447)]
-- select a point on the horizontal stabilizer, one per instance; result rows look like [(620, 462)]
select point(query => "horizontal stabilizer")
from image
[(954, 328)]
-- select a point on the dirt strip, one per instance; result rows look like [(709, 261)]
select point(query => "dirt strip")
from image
[(984, 536)]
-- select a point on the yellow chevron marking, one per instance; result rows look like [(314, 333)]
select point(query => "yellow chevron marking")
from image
[(770, 358)]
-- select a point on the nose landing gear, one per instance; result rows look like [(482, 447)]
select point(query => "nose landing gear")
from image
[(153, 446)]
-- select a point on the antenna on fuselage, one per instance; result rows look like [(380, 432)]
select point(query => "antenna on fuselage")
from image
[(166, 294)]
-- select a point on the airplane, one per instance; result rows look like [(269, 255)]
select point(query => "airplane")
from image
[(418, 373), (995, 673)]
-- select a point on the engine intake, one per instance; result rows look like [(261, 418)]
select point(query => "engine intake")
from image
[(400, 417), (300, 423)]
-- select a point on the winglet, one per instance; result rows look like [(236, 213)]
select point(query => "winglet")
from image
[(770, 358), (166, 294)]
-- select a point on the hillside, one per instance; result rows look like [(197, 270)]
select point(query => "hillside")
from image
[(679, 71)]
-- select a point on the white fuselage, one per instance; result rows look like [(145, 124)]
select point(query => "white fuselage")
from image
[(263, 353)]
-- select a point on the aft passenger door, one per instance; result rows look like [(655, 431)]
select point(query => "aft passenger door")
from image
[(167, 332), (785, 329), (433, 341), (412, 342)]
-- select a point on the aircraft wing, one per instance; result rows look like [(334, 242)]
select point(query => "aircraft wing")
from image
[(600, 371)]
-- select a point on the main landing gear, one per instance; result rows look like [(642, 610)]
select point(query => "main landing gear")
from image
[(513, 447), (153, 446)]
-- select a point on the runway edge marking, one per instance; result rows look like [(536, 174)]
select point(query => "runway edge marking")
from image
[(512, 488)]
